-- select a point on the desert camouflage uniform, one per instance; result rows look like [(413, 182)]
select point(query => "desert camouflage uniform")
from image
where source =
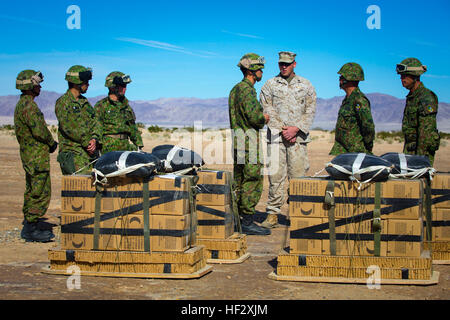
[(117, 118), (246, 118), (288, 104), (355, 130), (77, 126), (35, 140), (419, 123)]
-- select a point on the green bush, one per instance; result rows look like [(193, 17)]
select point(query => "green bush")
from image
[(155, 129), (7, 127)]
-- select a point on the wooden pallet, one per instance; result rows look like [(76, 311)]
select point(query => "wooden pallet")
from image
[(355, 269), (440, 251), (226, 251), (190, 264)]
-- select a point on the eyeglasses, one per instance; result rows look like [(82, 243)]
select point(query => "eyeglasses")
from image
[(284, 64), (37, 78)]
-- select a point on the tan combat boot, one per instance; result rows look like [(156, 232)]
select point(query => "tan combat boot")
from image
[(270, 222)]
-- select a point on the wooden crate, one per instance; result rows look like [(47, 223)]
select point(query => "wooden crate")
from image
[(231, 250), (355, 269), (170, 265)]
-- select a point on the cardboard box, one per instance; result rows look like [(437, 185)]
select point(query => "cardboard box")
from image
[(167, 233), (412, 231), (300, 242), (441, 224), (440, 186), (400, 199), (356, 239), (213, 188), (169, 195), (215, 222), (77, 194)]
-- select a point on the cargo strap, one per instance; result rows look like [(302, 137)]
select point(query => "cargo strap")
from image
[(234, 209), (428, 203), (98, 202), (330, 204), (193, 212), (376, 224), (146, 211)]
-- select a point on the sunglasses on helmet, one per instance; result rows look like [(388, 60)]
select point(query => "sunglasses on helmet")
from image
[(403, 68), (121, 81)]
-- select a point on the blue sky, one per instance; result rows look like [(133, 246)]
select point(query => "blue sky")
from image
[(191, 48)]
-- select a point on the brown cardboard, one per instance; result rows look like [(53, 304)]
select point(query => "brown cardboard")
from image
[(305, 246), (222, 231), (350, 200), (77, 204), (441, 215), (441, 183), (215, 178), (125, 240), (405, 248)]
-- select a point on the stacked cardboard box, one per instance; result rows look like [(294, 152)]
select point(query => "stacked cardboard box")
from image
[(213, 205), (120, 222), (401, 221), (439, 244)]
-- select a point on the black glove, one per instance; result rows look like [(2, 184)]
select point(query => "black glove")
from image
[(53, 147)]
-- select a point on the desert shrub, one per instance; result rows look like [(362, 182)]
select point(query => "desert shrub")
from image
[(155, 129)]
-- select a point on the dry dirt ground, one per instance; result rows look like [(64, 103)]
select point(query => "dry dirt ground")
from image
[(21, 263)]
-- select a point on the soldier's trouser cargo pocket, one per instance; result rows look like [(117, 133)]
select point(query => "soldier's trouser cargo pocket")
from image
[(67, 162)]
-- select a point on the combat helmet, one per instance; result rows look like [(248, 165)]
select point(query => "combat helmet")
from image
[(117, 78), (352, 72), (78, 74), (411, 66), (27, 79), (252, 61)]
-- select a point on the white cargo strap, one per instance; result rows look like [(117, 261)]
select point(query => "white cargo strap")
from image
[(353, 176), (414, 174), (170, 156), (403, 164), (122, 169), (357, 165)]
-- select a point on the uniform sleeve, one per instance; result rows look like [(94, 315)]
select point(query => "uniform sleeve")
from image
[(366, 123), (96, 130), (428, 136), (99, 115), (310, 110), (135, 135), (252, 108), (34, 118), (265, 98)]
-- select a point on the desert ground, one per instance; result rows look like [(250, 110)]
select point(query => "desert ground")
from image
[(21, 262)]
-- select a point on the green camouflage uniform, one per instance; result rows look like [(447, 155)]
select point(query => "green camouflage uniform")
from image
[(355, 130), (246, 117), (116, 118), (419, 123), (35, 140), (77, 126)]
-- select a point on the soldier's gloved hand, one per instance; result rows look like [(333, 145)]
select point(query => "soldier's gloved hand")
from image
[(53, 147), (411, 146), (141, 148)]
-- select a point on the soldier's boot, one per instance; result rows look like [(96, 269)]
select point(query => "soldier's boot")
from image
[(31, 233), (271, 221), (251, 228)]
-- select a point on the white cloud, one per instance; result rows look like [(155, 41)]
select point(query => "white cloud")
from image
[(242, 34), (167, 46)]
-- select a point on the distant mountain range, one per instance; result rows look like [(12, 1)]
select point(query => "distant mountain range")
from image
[(387, 111)]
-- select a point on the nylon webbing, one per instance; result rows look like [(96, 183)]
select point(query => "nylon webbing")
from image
[(193, 211), (376, 225), (428, 209), (98, 203), (146, 211), (329, 202)]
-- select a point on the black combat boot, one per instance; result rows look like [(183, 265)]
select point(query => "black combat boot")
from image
[(32, 233), (251, 228)]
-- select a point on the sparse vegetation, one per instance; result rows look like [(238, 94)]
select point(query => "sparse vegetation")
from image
[(7, 127), (155, 129)]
